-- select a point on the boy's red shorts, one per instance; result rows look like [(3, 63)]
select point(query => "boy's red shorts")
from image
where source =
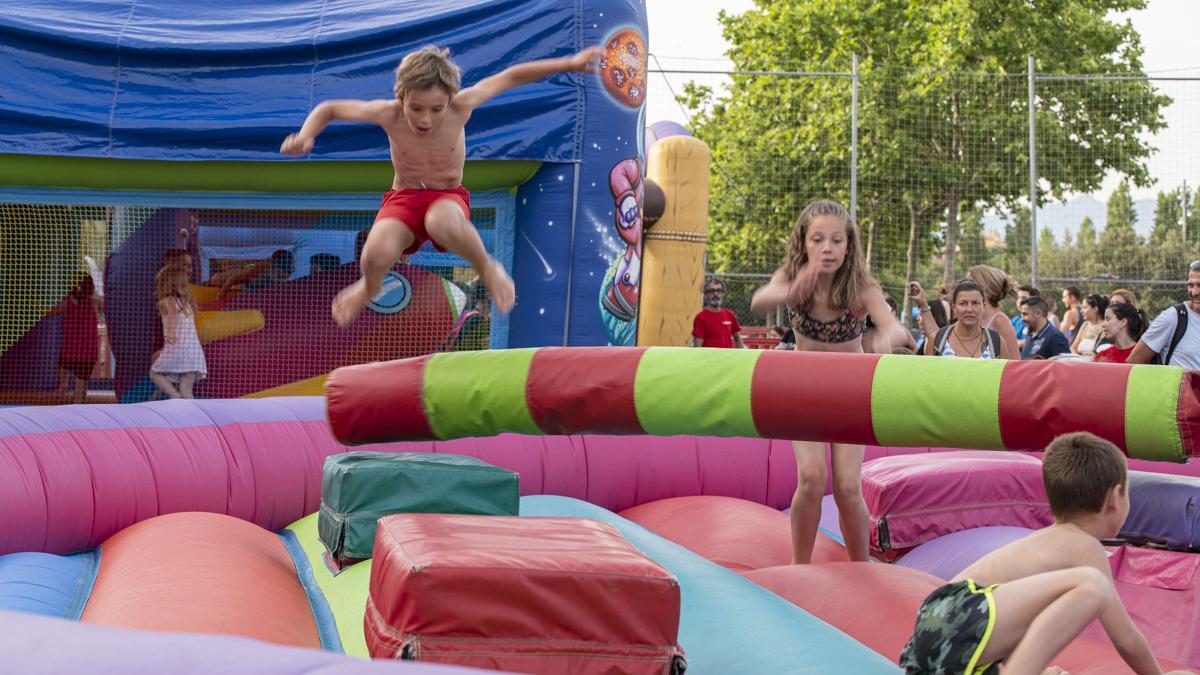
[(410, 204)]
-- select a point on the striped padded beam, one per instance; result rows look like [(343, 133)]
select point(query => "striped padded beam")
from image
[(1151, 412)]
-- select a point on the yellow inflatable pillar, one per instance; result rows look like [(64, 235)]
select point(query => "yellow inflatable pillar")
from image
[(673, 250)]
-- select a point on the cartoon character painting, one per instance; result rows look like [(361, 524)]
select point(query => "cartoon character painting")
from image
[(619, 293)]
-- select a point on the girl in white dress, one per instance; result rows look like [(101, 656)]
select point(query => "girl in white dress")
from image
[(181, 361)]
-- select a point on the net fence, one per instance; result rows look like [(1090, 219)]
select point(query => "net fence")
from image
[(936, 167), (105, 302)]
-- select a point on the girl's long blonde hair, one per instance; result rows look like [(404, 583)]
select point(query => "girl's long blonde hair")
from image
[(171, 282), (852, 278)]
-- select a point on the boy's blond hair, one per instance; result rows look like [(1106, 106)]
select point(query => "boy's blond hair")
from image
[(1078, 470), (427, 68)]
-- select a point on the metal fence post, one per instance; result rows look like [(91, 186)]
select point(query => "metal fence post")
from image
[(1033, 178), (854, 136)]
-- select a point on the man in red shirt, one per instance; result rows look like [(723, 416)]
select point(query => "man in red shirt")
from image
[(716, 326)]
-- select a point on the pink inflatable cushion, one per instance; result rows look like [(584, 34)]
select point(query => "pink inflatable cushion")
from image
[(915, 498), (735, 533), (1161, 590), (877, 605)]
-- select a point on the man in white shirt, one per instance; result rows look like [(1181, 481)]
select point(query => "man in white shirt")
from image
[(1157, 339)]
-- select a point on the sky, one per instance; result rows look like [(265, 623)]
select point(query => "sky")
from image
[(685, 32)]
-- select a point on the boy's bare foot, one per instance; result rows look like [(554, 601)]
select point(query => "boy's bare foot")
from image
[(349, 303), (500, 287)]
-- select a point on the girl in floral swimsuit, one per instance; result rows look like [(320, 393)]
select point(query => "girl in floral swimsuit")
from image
[(828, 291)]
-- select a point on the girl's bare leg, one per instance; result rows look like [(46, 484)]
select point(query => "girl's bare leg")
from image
[(811, 476), (847, 494)]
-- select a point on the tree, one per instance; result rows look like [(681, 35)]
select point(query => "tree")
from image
[(1018, 235), (1120, 251), (1168, 215), (1193, 217), (1120, 212), (971, 242), (942, 116), (1085, 248)]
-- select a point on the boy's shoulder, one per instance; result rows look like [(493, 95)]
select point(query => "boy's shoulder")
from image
[(1053, 548)]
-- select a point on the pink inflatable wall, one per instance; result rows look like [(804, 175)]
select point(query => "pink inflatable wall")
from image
[(72, 476)]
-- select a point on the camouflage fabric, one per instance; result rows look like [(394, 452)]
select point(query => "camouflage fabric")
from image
[(950, 629)]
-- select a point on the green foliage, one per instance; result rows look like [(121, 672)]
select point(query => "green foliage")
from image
[(1168, 215), (942, 122)]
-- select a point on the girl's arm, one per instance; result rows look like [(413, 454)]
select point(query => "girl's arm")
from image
[(170, 310), (891, 333), (775, 294)]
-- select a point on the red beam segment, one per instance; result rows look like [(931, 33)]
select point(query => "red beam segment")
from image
[(378, 402), (1189, 412), (584, 390), (811, 396), (1038, 403)]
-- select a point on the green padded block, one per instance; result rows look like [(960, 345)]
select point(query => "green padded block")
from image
[(359, 488)]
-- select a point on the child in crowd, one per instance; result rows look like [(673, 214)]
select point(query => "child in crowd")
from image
[(81, 340), (828, 291), (181, 362), (424, 124), (1023, 603)]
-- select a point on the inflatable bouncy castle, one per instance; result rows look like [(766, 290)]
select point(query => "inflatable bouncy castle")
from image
[(182, 158)]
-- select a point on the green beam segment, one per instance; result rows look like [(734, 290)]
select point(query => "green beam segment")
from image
[(1151, 403), (704, 392), (937, 402), (478, 393)]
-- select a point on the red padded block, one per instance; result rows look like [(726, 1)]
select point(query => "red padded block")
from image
[(734, 533), (535, 595), (829, 396), (378, 402), (602, 384), (1040, 400)]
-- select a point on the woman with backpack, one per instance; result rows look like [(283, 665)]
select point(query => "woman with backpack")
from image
[(967, 337)]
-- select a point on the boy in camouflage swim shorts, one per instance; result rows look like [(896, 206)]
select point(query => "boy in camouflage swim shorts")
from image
[(1023, 603)]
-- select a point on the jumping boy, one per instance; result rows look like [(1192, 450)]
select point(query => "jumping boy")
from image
[(424, 124), (1025, 602)]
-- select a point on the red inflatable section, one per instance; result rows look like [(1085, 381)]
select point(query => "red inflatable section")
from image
[(853, 596), (532, 594), (735, 533), (201, 573)]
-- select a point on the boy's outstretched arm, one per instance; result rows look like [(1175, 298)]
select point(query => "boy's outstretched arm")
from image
[(1125, 636), (524, 73), (301, 142)]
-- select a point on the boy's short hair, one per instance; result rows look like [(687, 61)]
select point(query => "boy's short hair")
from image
[(427, 68), (1078, 470), (1032, 290)]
